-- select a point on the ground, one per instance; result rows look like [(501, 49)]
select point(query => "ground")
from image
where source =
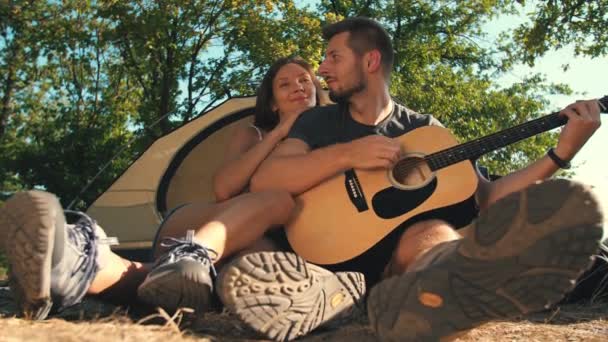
[(95, 321)]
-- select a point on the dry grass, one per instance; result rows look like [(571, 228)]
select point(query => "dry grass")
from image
[(96, 321)]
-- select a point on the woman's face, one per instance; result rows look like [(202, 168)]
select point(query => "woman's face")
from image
[(293, 90)]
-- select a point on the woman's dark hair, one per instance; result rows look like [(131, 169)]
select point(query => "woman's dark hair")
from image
[(264, 117)]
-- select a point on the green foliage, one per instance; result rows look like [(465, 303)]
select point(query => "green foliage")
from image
[(83, 83), (556, 24), (66, 110)]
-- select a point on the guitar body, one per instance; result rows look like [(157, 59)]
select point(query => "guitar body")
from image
[(349, 213)]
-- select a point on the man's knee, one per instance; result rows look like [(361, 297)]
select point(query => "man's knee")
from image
[(419, 238), (429, 229)]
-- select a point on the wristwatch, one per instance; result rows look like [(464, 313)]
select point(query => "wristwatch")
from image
[(563, 164)]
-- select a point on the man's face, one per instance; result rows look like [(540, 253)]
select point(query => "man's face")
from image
[(342, 69)]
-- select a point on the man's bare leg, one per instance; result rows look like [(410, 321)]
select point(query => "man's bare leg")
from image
[(417, 240)]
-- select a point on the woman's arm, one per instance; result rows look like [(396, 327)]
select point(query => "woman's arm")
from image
[(243, 155)]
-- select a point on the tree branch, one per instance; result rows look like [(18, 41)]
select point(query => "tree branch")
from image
[(191, 107), (8, 90), (129, 58), (97, 78)]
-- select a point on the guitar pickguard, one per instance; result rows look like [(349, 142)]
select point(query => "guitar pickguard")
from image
[(392, 202)]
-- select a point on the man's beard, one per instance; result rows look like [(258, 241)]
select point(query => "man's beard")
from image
[(345, 95)]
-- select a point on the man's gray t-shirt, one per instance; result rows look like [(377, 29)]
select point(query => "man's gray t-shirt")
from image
[(328, 125)]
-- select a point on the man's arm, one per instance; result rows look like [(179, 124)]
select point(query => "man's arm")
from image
[(583, 121), (292, 166)]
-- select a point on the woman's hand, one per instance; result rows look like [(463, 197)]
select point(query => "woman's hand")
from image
[(285, 125)]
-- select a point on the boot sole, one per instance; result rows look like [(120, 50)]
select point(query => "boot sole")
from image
[(178, 285), (28, 220), (282, 297), (524, 254)]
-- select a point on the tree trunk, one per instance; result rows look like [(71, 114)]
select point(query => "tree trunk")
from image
[(165, 91), (5, 107)]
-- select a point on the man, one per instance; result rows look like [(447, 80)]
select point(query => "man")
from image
[(524, 252)]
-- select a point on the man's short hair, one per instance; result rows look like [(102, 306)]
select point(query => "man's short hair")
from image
[(365, 35)]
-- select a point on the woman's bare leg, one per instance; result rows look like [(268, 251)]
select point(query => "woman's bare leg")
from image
[(118, 280), (183, 275), (230, 226), (226, 227)]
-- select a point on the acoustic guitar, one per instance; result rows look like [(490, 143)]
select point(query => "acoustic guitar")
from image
[(349, 213)]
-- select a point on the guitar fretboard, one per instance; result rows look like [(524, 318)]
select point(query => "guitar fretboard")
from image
[(476, 148)]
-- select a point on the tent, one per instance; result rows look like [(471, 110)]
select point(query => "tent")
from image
[(177, 168)]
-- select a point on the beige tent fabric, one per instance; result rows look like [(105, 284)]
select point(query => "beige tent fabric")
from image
[(128, 209), (192, 180)]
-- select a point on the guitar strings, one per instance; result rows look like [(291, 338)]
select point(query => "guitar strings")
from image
[(476, 148)]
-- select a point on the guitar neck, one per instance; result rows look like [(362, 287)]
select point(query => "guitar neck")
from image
[(476, 148)]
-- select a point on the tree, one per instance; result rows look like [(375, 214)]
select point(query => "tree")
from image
[(65, 113), (172, 49), (87, 83), (18, 49), (556, 24)]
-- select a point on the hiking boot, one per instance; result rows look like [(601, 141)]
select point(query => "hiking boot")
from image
[(52, 264), (181, 277), (523, 255), (283, 297)]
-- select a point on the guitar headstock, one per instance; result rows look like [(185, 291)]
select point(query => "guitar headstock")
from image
[(603, 104)]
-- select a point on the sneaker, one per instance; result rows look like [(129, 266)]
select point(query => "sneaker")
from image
[(523, 255), (283, 297), (181, 277), (52, 264)]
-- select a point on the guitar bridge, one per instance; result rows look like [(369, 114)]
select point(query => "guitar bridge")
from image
[(355, 193)]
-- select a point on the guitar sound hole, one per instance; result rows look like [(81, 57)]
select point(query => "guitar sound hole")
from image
[(411, 172)]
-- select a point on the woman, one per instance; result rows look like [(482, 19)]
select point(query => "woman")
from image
[(54, 265)]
